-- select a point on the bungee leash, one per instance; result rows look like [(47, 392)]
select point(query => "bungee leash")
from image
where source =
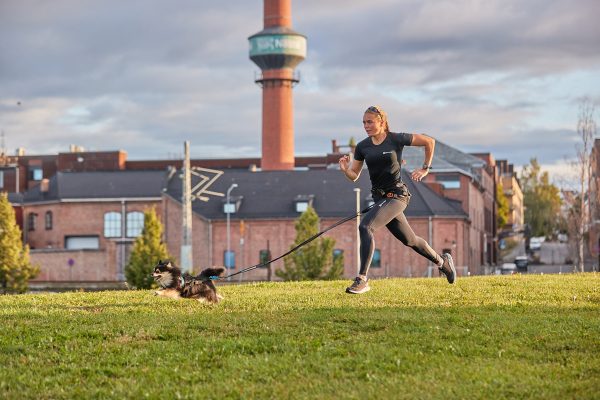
[(310, 239)]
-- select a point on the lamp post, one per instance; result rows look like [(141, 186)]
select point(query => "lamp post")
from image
[(357, 242), (227, 208)]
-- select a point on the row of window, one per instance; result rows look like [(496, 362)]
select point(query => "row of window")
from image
[(265, 255), (112, 223), (32, 221)]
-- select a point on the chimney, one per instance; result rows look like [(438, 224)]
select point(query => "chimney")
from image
[(436, 187), (44, 185), (20, 152), (277, 50), (334, 147)]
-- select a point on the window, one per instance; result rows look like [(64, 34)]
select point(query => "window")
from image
[(82, 242), (303, 201), (36, 173), (301, 206), (31, 221), (449, 181), (48, 220), (229, 259), (112, 224), (135, 223), (376, 261), (264, 256), (1, 179)]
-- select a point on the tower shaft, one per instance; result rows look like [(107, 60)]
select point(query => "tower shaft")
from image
[(277, 13), (277, 49)]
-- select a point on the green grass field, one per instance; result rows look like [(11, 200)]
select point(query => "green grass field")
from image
[(501, 337)]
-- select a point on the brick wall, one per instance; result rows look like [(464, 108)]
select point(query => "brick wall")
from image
[(75, 219), (73, 265), (210, 242)]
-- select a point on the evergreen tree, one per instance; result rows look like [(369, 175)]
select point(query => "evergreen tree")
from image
[(541, 200), (148, 250), (15, 268), (502, 207), (314, 260)]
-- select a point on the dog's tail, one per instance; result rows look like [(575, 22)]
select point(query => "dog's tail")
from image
[(208, 272)]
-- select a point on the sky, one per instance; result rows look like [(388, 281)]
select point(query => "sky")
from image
[(501, 76)]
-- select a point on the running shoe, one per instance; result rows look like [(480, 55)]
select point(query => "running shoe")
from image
[(359, 286)]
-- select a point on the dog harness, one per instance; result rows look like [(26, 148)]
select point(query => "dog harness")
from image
[(181, 282)]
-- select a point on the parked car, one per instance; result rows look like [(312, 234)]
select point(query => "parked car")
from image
[(521, 262), (535, 243), (508, 269)]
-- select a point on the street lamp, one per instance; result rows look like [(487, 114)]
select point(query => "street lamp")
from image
[(357, 242), (228, 210)]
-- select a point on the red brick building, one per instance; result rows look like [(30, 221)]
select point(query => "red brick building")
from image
[(454, 210), (81, 225), (470, 180)]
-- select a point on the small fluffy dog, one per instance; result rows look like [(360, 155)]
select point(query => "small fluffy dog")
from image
[(176, 285)]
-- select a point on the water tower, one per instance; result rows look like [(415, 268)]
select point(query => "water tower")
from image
[(277, 49)]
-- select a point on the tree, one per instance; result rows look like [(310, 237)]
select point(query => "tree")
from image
[(148, 250), (315, 260), (503, 209), (15, 268), (541, 200), (580, 215)]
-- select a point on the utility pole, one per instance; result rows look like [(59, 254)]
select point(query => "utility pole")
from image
[(186, 260)]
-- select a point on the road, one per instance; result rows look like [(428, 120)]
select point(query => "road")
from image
[(553, 258), (550, 269), (554, 253)]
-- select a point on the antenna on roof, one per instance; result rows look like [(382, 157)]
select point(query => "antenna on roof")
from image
[(2, 143)]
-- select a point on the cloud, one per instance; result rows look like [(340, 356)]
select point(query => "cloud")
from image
[(143, 76)]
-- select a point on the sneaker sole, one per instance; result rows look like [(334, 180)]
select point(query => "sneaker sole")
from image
[(348, 290)]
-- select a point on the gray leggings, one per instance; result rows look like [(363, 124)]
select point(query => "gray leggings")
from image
[(390, 212)]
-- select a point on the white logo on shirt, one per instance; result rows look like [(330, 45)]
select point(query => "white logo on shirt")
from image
[(387, 152)]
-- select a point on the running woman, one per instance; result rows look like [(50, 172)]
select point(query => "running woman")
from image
[(382, 151)]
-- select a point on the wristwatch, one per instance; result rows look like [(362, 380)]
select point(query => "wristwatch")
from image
[(427, 167)]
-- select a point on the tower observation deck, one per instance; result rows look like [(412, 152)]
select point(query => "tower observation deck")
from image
[(277, 50)]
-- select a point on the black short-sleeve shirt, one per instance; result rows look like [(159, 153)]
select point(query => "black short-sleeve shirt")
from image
[(384, 160)]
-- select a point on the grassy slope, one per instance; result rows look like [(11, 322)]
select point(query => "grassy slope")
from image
[(485, 337)]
